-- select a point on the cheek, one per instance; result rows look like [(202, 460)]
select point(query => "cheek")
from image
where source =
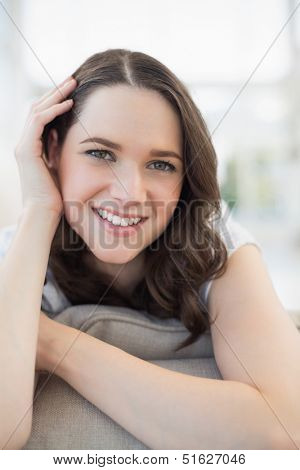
[(80, 184), (166, 197), (165, 208)]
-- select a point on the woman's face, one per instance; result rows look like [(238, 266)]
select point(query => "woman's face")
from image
[(127, 177)]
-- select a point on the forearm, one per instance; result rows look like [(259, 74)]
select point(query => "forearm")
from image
[(22, 275), (162, 408)]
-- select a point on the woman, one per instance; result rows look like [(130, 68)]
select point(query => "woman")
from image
[(121, 206)]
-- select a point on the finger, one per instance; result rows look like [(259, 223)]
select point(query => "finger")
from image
[(40, 119), (57, 96), (31, 137), (54, 90)]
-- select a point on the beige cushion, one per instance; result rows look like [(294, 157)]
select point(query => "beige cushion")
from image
[(63, 419)]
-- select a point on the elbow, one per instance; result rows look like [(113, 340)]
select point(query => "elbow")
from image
[(15, 442), (17, 439), (284, 440), (286, 435), (23, 441), (274, 431)]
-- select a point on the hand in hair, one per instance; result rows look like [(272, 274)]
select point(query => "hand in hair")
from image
[(38, 184)]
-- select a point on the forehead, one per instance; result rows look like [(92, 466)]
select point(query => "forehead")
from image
[(124, 113)]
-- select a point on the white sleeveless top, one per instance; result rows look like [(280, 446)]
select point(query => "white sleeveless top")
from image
[(233, 234)]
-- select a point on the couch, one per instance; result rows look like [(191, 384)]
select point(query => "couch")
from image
[(64, 419)]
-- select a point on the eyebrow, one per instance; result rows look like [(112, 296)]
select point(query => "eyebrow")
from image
[(113, 145)]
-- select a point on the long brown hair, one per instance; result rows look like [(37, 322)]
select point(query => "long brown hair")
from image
[(173, 277)]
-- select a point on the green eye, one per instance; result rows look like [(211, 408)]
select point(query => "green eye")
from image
[(101, 151), (170, 168), (162, 162)]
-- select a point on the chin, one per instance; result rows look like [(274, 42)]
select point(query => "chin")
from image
[(115, 256)]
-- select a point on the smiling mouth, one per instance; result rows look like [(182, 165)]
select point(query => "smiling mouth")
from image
[(119, 229), (114, 213), (134, 219)]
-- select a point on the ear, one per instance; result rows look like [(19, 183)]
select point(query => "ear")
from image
[(53, 149)]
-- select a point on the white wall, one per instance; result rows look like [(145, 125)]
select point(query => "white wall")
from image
[(240, 61)]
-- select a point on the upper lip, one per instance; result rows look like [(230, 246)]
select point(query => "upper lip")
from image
[(124, 216)]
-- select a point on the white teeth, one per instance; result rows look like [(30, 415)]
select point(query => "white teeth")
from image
[(116, 220)]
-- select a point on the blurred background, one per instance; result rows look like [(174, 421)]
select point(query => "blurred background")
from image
[(240, 61)]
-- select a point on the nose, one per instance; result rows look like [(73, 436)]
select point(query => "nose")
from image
[(129, 186)]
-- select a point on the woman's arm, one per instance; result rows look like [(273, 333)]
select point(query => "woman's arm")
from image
[(254, 339), (162, 408), (22, 275)]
